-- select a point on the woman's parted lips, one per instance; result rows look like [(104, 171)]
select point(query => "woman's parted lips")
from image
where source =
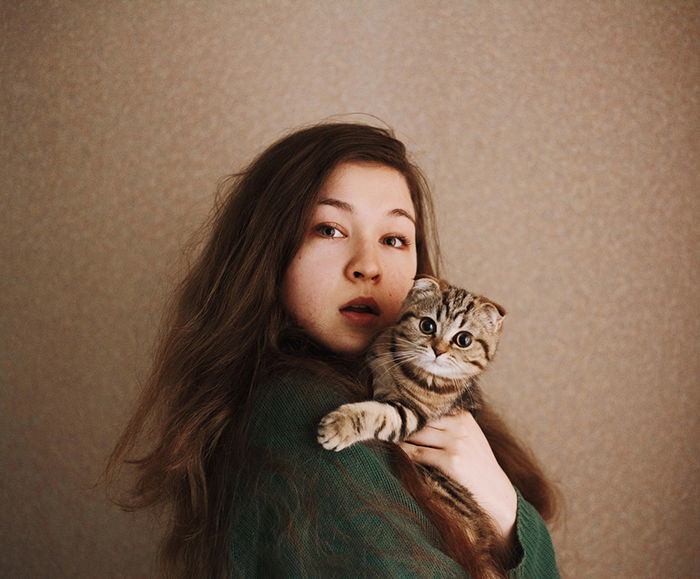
[(362, 305)]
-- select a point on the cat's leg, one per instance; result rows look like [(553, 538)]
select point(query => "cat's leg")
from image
[(352, 423)]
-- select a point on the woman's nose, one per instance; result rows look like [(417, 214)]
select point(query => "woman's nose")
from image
[(364, 263)]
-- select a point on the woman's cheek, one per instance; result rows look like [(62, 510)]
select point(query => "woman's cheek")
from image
[(398, 294)]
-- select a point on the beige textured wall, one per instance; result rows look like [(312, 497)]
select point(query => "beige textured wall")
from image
[(562, 142)]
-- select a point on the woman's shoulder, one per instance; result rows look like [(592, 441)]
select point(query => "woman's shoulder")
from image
[(289, 406), (299, 388)]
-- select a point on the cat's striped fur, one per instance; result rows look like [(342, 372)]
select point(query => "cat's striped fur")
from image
[(423, 367)]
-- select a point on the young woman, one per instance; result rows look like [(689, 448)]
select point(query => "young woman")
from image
[(311, 253)]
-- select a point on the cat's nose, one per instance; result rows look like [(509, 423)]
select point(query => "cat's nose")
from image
[(439, 350)]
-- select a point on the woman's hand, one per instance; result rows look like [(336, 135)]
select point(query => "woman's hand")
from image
[(457, 447)]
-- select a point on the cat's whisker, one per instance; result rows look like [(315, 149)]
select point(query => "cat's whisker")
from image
[(386, 363), (392, 357), (389, 365)]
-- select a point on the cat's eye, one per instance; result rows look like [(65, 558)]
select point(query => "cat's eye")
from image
[(462, 339), (427, 326)]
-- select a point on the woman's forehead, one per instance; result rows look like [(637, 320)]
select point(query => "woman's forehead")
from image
[(355, 185)]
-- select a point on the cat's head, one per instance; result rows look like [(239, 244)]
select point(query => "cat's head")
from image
[(447, 331)]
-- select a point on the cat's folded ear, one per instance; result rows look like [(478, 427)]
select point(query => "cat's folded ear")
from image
[(424, 285), (492, 315)]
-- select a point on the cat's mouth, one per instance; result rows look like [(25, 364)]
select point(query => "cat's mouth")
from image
[(362, 306)]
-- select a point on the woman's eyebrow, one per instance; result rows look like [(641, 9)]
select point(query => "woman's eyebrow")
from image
[(337, 203), (343, 206), (403, 213)]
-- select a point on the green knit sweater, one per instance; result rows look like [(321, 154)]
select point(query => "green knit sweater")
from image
[(309, 512)]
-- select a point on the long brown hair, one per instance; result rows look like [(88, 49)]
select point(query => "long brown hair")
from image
[(225, 320)]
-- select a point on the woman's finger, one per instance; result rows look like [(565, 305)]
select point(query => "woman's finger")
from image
[(454, 421), (443, 432), (430, 436), (423, 454)]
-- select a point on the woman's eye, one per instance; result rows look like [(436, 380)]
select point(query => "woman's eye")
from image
[(395, 241), (427, 326), (462, 339), (325, 230)]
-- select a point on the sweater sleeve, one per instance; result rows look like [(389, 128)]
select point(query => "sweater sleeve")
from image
[(537, 552), (310, 512)]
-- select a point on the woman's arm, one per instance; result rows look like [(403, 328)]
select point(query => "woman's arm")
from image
[(457, 446)]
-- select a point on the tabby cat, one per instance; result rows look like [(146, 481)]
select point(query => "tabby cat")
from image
[(423, 367)]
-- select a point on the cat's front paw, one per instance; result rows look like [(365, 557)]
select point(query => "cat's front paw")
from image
[(336, 431)]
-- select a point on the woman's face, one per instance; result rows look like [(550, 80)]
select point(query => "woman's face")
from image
[(358, 258)]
